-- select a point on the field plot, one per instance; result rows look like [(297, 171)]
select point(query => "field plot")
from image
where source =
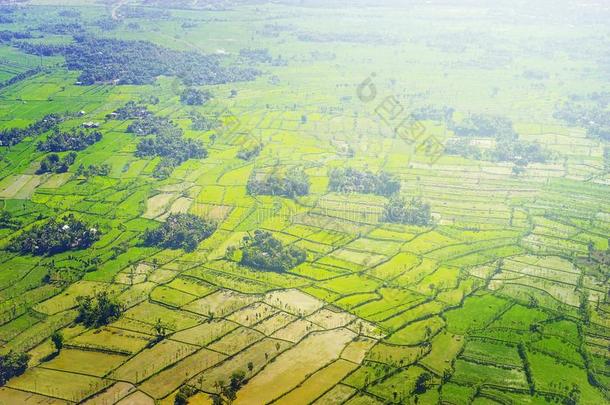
[(315, 203)]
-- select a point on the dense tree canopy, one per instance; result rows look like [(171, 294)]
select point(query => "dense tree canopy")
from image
[(152, 125), (484, 125), (53, 163), (193, 96), (131, 110), (168, 143), (13, 136), (56, 236), (590, 112), (59, 141), (249, 152), (201, 123), (263, 251), (8, 221), (292, 183), (137, 62), (350, 180), (180, 231), (93, 170), (414, 212), (12, 364), (508, 146), (98, 309)]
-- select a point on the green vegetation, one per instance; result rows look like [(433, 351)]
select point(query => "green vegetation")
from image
[(354, 181), (193, 96), (323, 202), (8, 221), (180, 231), (134, 62), (59, 141), (413, 212), (292, 183), (53, 163), (12, 364), (13, 136), (263, 251), (98, 309), (56, 236)]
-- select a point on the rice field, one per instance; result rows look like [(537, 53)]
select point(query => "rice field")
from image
[(501, 298)]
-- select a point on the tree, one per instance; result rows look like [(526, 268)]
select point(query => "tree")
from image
[(350, 180), (518, 169), (98, 310), (184, 393), (12, 364), (414, 212), (56, 236), (161, 330), (53, 163), (292, 183), (264, 252), (193, 96), (7, 221), (58, 340), (180, 231), (137, 62)]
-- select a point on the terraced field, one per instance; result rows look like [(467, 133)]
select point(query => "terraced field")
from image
[(499, 295)]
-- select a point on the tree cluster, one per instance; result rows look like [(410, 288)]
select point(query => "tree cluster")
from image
[(98, 310), (13, 136), (463, 147), (413, 212), (194, 96), (183, 395), (432, 113), (8, 36), (107, 23), (201, 123), (350, 180), (228, 392), (93, 170), (256, 55), (520, 152), (590, 112), (180, 231), (174, 150), (53, 163), (12, 364), (62, 28), (264, 252), (137, 62), (249, 152), (291, 184), (59, 141), (55, 236), (484, 125), (151, 125), (21, 76), (131, 110), (508, 146), (168, 143), (7, 220)]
